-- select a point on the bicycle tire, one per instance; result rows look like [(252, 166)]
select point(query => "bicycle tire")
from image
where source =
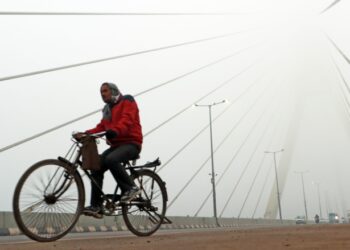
[(53, 214), (144, 220)]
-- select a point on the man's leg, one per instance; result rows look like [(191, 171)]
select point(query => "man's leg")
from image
[(96, 187), (113, 161)]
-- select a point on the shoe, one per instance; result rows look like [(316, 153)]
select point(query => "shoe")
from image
[(95, 212), (130, 195)]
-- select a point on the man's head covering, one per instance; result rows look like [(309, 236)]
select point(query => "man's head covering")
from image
[(112, 87), (107, 113)]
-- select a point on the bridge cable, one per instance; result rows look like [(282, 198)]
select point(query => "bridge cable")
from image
[(346, 100), (253, 183), (198, 69), (99, 110), (235, 187), (266, 129), (222, 175), (262, 189), (121, 56), (206, 126), (49, 13), (330, 6), (260, 166), (201, 98), (220, 144), (227, 167), (257, 173), (338, 49), (248, 163)]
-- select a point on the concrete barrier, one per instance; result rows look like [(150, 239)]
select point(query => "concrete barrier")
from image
[(8, 225)]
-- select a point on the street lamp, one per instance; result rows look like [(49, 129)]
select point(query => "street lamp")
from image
[(278, 190), (302, 182), (319, 197), (209, 106)]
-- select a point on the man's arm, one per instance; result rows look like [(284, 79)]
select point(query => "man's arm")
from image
[(130, 112), (99, 128)]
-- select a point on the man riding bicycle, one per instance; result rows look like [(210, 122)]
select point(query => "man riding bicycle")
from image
[(124, 135)]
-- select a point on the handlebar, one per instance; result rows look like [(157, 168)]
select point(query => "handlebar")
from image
[(99, 134), (83, 135)]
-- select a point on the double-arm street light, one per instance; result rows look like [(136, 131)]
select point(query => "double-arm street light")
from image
[(209, 106), (278, 189)]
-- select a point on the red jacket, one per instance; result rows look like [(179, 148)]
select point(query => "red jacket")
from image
[(125, 122)]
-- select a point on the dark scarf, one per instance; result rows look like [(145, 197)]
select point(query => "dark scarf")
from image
[(107, 109), (116, 96)]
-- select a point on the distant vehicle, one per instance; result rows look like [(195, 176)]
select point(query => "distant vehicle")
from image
[(300, 220), (333, 218), (317, 219)]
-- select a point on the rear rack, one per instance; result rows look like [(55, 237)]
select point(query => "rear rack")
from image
[(152, 164)]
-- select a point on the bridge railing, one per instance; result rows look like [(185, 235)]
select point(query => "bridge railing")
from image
[(87, 224)]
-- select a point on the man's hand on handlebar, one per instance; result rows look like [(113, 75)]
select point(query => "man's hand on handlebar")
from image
[(79, 135), (111, 134)]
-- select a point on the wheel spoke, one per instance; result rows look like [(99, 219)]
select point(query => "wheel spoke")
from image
[(31, 207), (39, 212), (146, 215)]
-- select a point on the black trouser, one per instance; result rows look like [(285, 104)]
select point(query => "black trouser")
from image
[(111, 159)]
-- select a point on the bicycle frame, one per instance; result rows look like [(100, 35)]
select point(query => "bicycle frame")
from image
[(75, 154), (62, 195), (111, 200)]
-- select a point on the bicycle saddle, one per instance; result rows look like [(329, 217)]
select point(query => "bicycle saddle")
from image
[(131, 161)]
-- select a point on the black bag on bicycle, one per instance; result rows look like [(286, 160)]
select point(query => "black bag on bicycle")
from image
[(89, 152)]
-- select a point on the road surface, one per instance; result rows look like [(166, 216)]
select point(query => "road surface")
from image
[(293, 237)]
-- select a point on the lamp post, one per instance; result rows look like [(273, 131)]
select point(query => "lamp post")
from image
[(278, 190), (327, 203), (209, 106), (319, 197), (302, 183)]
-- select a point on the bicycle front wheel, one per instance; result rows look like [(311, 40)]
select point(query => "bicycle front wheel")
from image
[(145, 214), (48, 200)]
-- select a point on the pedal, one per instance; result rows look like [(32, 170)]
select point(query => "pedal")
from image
[(113, 197), (95, 215)]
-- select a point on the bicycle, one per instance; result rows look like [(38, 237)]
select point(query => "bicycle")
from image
[(50, 196)]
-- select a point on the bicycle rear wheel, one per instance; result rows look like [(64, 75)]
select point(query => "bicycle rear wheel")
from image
[(145, 214), (48, 200)]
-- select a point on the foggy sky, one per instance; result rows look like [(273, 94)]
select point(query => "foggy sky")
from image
[(293, 66)]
